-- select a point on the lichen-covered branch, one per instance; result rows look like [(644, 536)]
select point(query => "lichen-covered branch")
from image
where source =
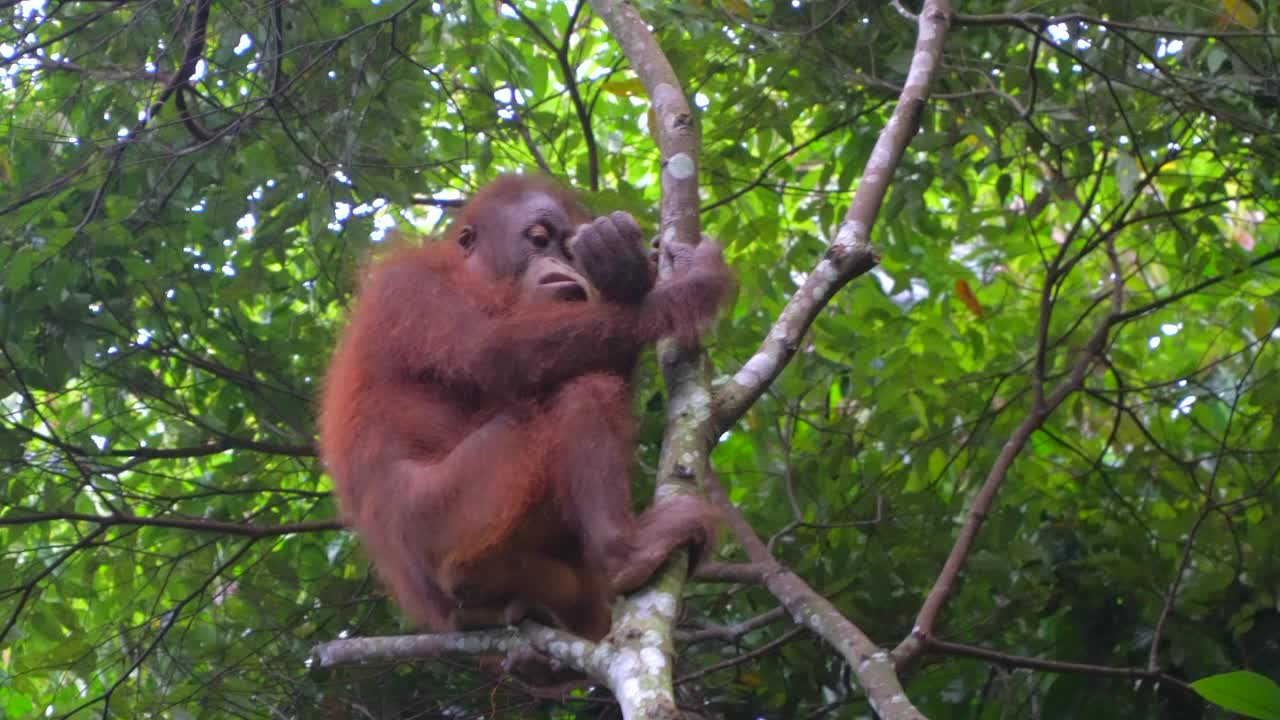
[(393, 648), (640, 674), (677, 136), (850, 254), (870, 663), (636, 659)]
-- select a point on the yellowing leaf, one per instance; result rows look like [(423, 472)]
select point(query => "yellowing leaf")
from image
[(623, 87), (1263, 319), (965, 293), (737, 7), (1239, 12)]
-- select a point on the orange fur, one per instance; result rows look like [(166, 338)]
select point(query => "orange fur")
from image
[(481, 442)]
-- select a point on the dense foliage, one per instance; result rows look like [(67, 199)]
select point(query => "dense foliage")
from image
[(176, 260)]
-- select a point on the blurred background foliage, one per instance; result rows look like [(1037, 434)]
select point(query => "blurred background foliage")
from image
[(176, 259)]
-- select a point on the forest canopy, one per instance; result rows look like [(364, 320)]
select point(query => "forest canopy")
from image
[(1027, 465)]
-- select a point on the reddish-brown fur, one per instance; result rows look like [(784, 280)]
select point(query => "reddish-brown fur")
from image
[(481, 439)]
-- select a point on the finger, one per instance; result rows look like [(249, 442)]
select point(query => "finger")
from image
[(609, 232), (631, 254), (666, 259), (588, 248), (629, 248), (678, 251), (627, 227), (709, 248), (579, 236)]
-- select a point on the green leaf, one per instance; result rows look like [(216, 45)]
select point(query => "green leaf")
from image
[(1127, 174), (1243, 692), (18, 273)]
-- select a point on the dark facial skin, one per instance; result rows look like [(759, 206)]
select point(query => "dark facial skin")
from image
[(528, 238), (534, 239)]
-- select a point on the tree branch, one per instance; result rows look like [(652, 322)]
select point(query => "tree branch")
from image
[(850, 254), (186, 68), (1042, 21), (808, 608), (173, 521), (404, 648), (569, 73), (645, 690), (942, 647), (911, 646)]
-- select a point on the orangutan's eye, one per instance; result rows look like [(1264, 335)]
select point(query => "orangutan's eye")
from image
[(539, 235)]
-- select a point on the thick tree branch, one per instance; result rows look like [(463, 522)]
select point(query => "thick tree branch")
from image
[(808, 608), (406, 648), (625, 660), (850, 254), (644, 689), (677, 136)]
